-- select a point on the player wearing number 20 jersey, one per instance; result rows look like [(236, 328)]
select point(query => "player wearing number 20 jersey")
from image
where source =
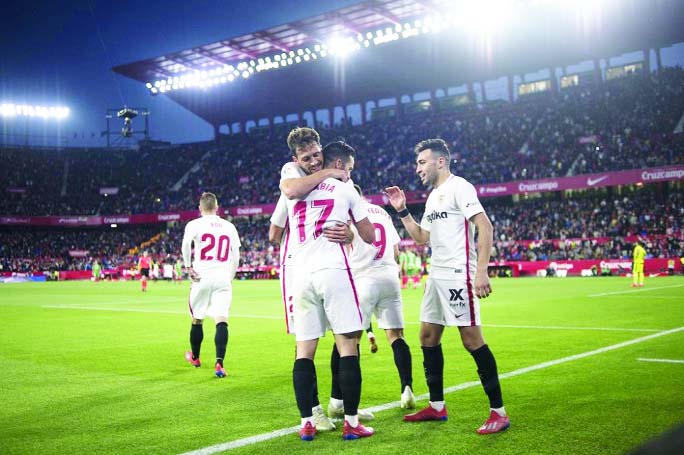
[(216, 257), (217, 254)]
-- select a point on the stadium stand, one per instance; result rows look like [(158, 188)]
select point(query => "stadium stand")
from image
[(620, 124)]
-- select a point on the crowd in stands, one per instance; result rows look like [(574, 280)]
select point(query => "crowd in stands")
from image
[(589, 225), (620, 124)]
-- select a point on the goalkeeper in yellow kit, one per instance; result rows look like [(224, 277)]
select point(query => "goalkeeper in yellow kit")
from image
[(638, 256)]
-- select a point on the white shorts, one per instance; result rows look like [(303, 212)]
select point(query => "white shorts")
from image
[(322, 299), (450, 299), (211, 296), (380, 294), (286, 290)]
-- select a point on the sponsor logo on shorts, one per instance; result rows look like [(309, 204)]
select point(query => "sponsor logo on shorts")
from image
[(455, 295)]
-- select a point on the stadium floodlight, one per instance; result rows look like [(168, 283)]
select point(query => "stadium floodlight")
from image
[(480, 19), (9, 110)]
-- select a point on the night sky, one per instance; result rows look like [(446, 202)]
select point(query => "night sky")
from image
[(51, 53)]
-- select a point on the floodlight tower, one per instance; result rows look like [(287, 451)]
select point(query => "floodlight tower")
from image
[(127, 132)]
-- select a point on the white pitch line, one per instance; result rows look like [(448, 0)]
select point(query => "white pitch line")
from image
[(556, 327), (631, 291), (466, 385), (661, 360), (147, 310), (258, 316)]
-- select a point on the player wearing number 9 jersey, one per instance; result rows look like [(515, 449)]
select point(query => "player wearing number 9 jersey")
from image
[(216, 257), (376, 274)]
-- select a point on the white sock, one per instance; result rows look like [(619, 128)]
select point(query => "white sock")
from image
[(501, 411), (317, 408), (337, 403), (352, 420), (437, 405), (307, 419)]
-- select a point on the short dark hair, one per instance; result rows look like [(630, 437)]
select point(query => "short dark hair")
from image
[(437, 146), (302, 137), (337, 150)]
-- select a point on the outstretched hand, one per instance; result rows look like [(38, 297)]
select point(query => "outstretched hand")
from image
[(396, 197)]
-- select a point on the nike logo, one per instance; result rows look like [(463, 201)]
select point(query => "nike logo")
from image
[(592, 182), (458, 315)]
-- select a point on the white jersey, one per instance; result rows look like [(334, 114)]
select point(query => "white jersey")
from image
[(448, 210), (217, 246), (332, 201), (291, 170), (365, 257)]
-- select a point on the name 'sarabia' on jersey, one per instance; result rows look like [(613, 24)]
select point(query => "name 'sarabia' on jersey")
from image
[(364, 256), (216, 242), (279, 217), (331, 202), (448, 210)]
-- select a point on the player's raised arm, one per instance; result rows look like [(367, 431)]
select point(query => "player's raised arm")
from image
[(397, 199), (298, 187)]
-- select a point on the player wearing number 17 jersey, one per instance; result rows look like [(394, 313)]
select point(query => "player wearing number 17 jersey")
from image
[(216, 257), (324, 289)]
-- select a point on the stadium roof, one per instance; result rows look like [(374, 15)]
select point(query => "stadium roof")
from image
[(542, 35)]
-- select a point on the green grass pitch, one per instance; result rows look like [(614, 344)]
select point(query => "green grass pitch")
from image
[(98, 368)]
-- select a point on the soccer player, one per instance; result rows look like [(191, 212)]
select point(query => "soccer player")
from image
[(304, 142), (375, 272), (97, 270), (403, 267), (178, 271), (144, 264), (216, 258), (638, 256), (413, 267), (452, 214), (324, 291)]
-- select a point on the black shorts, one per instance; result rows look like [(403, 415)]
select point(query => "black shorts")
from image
[(145, 272)]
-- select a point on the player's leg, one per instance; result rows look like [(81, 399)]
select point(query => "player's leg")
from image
[(303, 379), (416, 279), (350, 384), (143, 279), (640, 274), (311, 325), (404, 280), (371, 338), (219, 308), (403, 362), (431, 329), (198, 303), (473, 341), (221, 343), (196, 337)]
